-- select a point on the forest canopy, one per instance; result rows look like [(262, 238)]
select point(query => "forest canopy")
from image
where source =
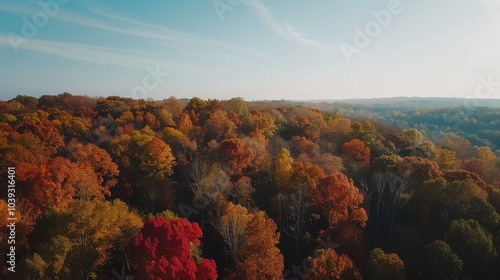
[(231, 189)]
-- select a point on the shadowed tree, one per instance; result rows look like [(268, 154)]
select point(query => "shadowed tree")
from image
[(440, 202), (473, 244), (382, 266), (234, 152), (417, 170), (295, 199), (441, 261), (283, 169), (219, 127), (147, 162)]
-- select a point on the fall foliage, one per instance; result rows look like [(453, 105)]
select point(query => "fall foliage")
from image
[(339, 200), (283, 169), (251, 239), (112, 186), (384, 266), (327, 264), (80, 239), (234, 152), (356, 150)]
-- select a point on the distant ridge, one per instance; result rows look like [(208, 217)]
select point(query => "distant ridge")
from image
[(426, 102)]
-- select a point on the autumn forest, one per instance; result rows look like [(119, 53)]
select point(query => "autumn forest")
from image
[(118, 188)]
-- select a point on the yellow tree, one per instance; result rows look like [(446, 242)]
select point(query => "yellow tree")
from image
[(446, 159), (283, 169), (182, 147), (306, 174), (233, 227), (81, 238), (148, 162), (295, 199), (485, 154), (264, 123), (157, 157), (185, 125), (491, 164)]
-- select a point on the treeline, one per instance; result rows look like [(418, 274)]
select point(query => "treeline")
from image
[(207, 189)]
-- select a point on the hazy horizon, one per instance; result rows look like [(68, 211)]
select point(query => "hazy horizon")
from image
[(259, 50)]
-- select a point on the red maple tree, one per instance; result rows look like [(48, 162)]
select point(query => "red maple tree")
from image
[(168, 249)]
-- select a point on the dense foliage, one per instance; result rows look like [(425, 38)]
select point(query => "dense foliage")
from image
[(206, 189)]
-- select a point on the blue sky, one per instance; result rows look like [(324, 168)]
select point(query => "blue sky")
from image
[(255, 49)]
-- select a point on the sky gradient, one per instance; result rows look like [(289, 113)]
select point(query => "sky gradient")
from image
[(254, 49)]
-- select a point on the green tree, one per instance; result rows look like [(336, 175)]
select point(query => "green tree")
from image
[(441, 202), (473, 244), (366, 132), (441, 261), (415, 136), (237, 105), (28, 101)]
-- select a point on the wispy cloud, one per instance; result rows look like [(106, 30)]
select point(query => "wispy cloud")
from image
[(300, 37), (178, 40), (108, 19), (269, 19), (91, 53), (284, 29)]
